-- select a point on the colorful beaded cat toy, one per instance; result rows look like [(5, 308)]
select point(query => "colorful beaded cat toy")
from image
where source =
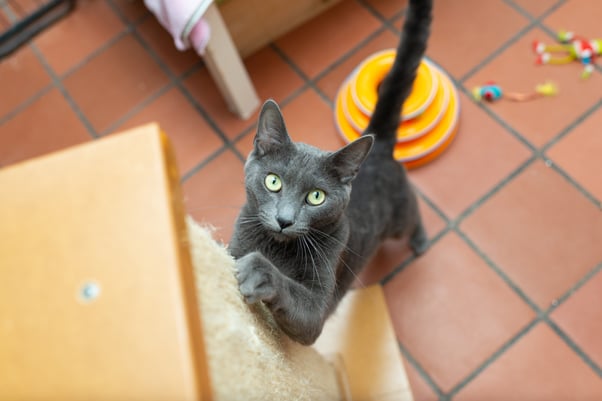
[(571, 48)]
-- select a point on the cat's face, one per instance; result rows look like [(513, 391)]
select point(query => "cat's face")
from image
[(294, 188)]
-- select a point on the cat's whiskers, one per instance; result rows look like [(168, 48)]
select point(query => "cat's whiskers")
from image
[(340, 258), (303, 254), (320, 253), (327, 264), (307, 245), (328, 236)]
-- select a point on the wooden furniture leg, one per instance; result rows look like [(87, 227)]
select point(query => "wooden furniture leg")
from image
[(227, 69)]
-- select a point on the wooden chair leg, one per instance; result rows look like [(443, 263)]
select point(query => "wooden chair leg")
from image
[(227, 69)]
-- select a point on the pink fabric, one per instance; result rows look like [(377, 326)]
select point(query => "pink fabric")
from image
[(199, 36), (182, 19)]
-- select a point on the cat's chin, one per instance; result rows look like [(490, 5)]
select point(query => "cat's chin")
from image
[(282, 237)]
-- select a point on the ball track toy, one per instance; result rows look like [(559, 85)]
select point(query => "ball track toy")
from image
[(430, 113)]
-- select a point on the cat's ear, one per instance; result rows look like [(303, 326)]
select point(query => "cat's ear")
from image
[(346, 162), (271, 131)]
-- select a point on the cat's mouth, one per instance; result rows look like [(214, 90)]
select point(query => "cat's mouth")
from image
[(283, 235)]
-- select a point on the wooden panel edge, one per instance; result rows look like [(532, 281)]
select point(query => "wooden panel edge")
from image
[(193, 312)]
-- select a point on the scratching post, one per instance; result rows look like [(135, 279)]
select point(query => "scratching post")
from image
[(247, 353)]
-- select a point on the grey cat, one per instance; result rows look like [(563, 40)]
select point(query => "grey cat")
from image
[(305, 233)]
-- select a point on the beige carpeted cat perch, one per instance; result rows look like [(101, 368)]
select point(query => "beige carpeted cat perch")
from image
[(108, 291), (241, 343)]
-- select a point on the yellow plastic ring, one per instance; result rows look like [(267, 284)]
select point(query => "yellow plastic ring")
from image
[(409, 129), (372, 71), (431, 145), (416, 152)]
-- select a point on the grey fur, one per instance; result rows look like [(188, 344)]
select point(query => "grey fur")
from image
[(298, 258)]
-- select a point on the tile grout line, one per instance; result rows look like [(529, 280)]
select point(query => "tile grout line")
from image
[(571, 291), (406, 262), (536, 155), (494, 357), (543, 15), (540, 22), (580, 119), (500, 121), (492, 56), (173, 82), (421, 371), (387, 22), (451, 224), (198, 167), (19, 108), (494, 190), (98, 51), (596, 202), (288, 99), (542, 316), (498, 271), (565, 132), (58, 84), (26, 103), (539, 153), (573, 346), (137, 108), (311, 82), (228, 145), (532, 23), (431, 204)]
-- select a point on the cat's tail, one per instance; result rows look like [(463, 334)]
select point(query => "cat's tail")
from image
[(397, 85)]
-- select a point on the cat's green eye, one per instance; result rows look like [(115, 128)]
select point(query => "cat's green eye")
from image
[(273, 182), (316, 197)]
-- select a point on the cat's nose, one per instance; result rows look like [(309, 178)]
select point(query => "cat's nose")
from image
[(284, 222)]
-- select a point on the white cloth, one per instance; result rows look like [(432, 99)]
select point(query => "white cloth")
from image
[(183, 20)]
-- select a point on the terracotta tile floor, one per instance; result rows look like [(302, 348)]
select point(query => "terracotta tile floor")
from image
[(507, 303)]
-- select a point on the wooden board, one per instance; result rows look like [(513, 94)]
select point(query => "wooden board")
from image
[(97, 296), (361, 341), (255, 23)]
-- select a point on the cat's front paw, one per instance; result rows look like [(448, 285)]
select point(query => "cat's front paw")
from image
[(256, 278)]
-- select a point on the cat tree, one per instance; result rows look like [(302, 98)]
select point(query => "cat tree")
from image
[(107, 291)]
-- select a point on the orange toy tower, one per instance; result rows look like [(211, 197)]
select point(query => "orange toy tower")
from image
[(430, 114)]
